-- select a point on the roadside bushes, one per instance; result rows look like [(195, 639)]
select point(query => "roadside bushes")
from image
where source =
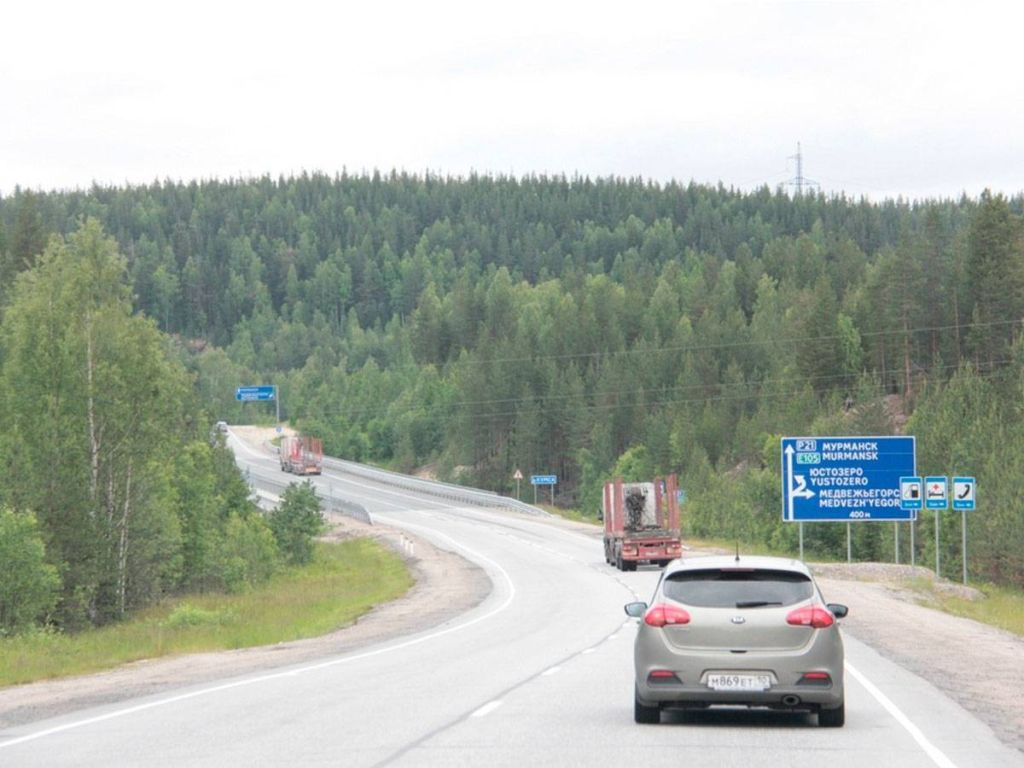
[(297, 520), (29, 586), (249, 552)]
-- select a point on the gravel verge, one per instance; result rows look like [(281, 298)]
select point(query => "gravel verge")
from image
[(979, 666)]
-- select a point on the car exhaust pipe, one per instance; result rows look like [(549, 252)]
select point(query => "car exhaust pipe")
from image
[(790, 700)]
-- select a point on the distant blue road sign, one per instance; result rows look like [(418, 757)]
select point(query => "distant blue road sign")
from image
[(543, 479), (936, 493), (846, 478), (964, 492), (249, 394)]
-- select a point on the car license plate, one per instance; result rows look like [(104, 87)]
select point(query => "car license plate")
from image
[(739, 682)]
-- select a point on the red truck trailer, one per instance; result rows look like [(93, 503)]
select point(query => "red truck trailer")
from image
[(302, 455), (641, 523)]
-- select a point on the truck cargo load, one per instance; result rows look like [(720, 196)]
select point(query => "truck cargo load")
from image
[(641, 523), (302, 455)]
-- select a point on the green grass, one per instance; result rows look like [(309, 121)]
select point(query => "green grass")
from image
[(345, 581), (570, 514)]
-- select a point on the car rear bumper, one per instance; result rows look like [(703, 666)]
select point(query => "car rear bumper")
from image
[(776, 697), (786, 670)]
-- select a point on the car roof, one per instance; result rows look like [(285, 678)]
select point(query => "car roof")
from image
[(758, 562)]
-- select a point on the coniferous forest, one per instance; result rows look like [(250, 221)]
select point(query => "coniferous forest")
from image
[(474, 326)]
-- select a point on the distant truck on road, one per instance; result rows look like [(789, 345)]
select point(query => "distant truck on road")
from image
[(302, 455), (641, 523)]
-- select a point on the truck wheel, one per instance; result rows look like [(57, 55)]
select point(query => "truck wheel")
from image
[(629, 565)]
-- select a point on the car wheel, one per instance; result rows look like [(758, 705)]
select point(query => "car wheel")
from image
[(645, 714), (832, 718)]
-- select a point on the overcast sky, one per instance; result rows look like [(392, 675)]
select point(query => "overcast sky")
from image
[(919, 99)]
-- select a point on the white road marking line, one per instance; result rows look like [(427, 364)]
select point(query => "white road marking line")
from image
[(486, 709), (278, 675), (936, 754), (588, 650), (551, 671)]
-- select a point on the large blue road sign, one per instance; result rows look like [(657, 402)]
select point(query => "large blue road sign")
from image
[(249, 394), (845, 478), (543, 479)]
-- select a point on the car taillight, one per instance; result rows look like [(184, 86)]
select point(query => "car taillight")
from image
[(661, 615), (811, 616), (815, 678), (661, 677)]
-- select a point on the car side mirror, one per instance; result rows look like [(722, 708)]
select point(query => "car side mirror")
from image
[(838, 610), (636, 610)]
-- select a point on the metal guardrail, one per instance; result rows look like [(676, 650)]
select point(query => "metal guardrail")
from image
[(448, 491), (330, 502), (350, 508)]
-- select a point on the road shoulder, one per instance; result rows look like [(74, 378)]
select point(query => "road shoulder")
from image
[(446, 586)]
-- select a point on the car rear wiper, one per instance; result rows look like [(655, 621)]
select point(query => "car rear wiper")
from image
[(755, 603)]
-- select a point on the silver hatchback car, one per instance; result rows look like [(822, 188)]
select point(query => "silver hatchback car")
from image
[(738, 631)]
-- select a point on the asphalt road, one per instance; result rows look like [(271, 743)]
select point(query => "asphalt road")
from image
[(540, 673)]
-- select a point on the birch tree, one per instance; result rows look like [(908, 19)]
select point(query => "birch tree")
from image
[(96, 402)]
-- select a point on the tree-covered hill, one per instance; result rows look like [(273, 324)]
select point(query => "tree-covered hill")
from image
[(587, 326)]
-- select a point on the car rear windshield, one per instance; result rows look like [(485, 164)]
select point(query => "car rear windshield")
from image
[(734, 588)]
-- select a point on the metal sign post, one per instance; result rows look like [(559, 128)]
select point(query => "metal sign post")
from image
[(913, 554), (936, 495), (912, 498), (964, 492), (963, 543)]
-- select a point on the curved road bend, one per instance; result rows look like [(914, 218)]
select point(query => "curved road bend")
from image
[(540, 673)]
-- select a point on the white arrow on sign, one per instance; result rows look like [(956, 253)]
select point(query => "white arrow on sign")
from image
[(797, 484)]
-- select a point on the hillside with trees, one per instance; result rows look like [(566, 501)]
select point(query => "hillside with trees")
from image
[(574, 326)]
